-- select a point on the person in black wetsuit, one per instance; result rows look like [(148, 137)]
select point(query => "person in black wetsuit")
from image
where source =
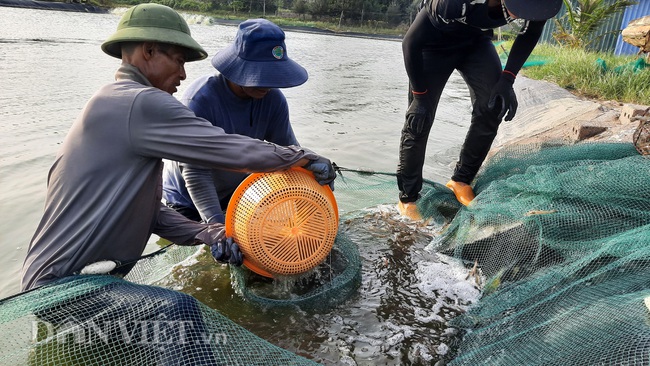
[(450, 35)]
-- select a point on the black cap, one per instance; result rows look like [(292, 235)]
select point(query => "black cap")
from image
[(534, 9)]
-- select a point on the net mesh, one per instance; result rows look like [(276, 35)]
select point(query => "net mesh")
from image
[(559, 235), (330, 284), (104, 320), (562, 233)]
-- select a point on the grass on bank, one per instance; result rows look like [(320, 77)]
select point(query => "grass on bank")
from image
[(585, 74), (284, 17), (369, 27)]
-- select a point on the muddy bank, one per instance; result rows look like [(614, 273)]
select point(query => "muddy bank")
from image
[(548, 112), (52, 5)]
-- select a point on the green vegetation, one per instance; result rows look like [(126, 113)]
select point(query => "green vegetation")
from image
[(390, 17), (580, 26), (369, 28), (596, 75)]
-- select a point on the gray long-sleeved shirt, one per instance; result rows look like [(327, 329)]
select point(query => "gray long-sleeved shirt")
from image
[(104, 190)]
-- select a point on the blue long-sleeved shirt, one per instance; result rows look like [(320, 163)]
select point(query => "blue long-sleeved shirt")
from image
[(210, 97)]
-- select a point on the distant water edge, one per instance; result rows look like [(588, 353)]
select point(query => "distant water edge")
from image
[(77, 6), (54, 5)]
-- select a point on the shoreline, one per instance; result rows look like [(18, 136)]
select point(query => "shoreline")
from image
[(86, 8), (305, 29), (547, 111), (53, 5)]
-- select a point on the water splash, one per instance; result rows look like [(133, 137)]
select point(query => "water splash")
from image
[(398, 316)]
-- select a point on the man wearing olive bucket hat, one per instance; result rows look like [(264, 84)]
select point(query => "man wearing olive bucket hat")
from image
[(449, 35), (242, 98), (104, 189)]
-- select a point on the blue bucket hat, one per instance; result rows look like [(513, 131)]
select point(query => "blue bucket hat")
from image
[(258, 58)]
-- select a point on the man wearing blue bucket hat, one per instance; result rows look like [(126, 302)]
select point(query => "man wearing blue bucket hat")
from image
[(449, 35), (242, 98)]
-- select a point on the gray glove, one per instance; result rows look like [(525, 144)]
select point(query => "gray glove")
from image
[(322, 169), (227, 251), (223, 249)]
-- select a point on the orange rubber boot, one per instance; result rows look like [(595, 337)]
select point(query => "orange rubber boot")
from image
[(463, 191), (409, 210)]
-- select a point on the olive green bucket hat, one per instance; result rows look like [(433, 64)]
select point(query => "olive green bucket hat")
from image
[(154, 23)]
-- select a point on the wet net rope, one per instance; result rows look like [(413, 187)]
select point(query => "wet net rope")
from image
[(559, 234)]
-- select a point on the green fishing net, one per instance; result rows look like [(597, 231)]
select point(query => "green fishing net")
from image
[(559, 235), (562, 233)]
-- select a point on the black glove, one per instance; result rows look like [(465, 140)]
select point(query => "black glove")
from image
[(323, 171), (503, 98), (223, 249), (419, 113), (227, 251)]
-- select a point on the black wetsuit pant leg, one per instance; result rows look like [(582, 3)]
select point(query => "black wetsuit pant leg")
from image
[(481, 72), (480, 67)]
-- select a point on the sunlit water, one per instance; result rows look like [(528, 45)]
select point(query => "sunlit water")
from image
[(351, 110)]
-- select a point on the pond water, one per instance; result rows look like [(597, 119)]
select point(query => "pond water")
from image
[(351, 110)]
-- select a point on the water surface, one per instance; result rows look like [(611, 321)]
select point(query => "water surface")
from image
[(351, 110)]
